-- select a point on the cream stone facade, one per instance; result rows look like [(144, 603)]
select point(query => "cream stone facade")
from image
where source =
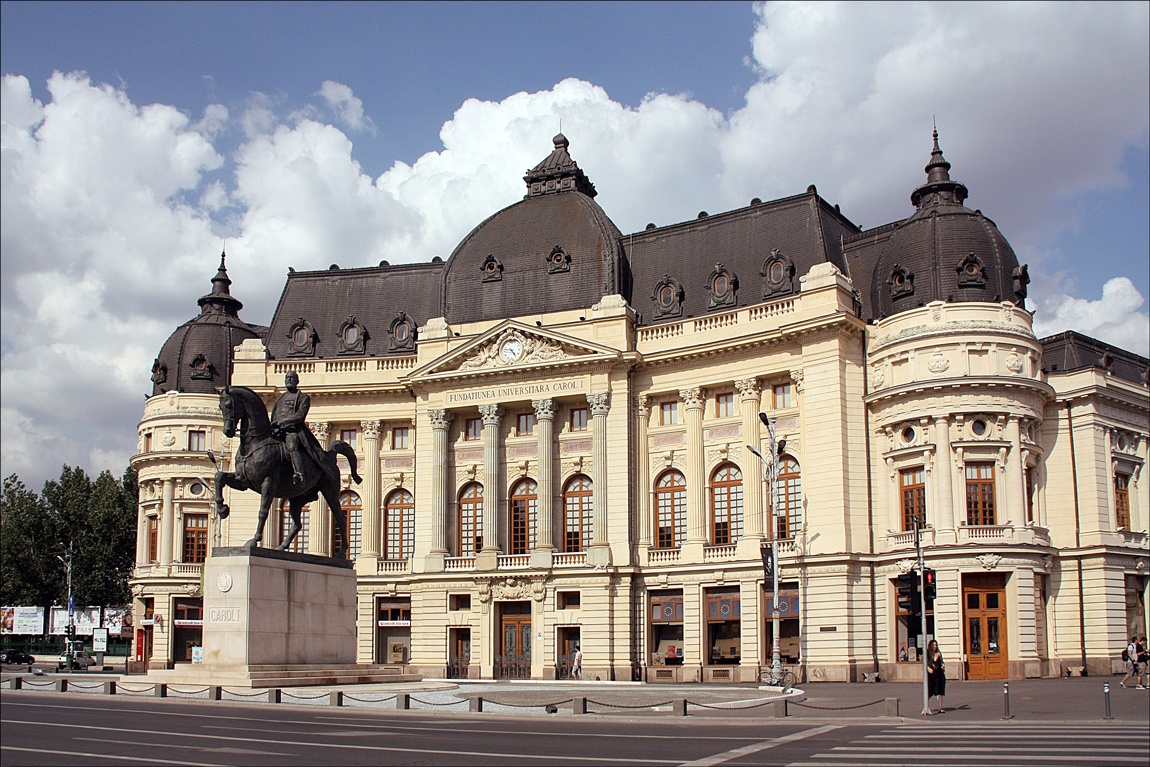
[(544, 472)]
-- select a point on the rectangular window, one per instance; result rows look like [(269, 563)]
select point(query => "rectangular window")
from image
[(348, 436), (568, 600), (579, 419), (980, 494), (913, 497), (460, 602), (399, 436), (195, 538), (197, 440), (1030, 495), (153, 539), (148, 442), (473, 429), (724, 405), (668, 413), (1122, 500), (525, 425), (783, 396)]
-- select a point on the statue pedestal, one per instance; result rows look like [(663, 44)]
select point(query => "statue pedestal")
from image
[(265, 607)]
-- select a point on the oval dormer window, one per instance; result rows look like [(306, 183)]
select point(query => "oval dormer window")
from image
[(667, 296), (778, 271), (908, 435), (722, 285), (300, 336), (401, 331), (350, 334), (978, 428)]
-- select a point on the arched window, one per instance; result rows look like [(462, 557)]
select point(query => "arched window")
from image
[(671, 510), (788, 499), (726, 505), (399, 525), (299, 543), (578, 510), (524, 513), (471, 520), (352, 508)]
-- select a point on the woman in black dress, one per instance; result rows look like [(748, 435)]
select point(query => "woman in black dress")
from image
[(935, 674)]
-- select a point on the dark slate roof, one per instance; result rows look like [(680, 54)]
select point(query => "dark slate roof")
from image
[(1070, 351), (373, 296), (862, 252), (803, 229), (197, 357), (554, 250), (932, 249)]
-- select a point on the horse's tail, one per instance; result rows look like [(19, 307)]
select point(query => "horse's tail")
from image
[(344, 449)]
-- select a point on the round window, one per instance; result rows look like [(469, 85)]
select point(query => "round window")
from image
[(300, 336), (776, 271), (972, 268), (721, 285), (401, 331), (350, 334), (667, 295), (196, 488), (200, 363), (978, 428), (899, 279), (490, 267), (908, 435)]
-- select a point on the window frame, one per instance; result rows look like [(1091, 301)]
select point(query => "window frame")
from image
[(399, 525), (1121, 500), (472, 429), (669, 413), (401, 438), (725, 405), (197, 440), (790, 489), (470, 517), (349, 436), (525, 425), (670, 507), (782, 393), (912, 495), (579, 419), (153, 539), (979, 513), (302, 539), (523, 508), (726, 503), (578, 513), (354, 523), (195, 548)]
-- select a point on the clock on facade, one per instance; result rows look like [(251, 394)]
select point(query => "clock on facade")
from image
[(512, 349)]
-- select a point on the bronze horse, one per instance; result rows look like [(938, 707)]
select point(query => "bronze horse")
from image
[(263, 464)]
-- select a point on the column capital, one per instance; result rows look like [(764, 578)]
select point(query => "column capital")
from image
[(599, 404), (748, 388), (370, 429), (320, 429), (544, 409), (692, 398), (491, 414), (644, 402), (797, 377), (440, 419)]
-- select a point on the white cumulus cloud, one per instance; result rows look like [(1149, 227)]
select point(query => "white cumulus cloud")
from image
[(348, 108), (1114, 318)]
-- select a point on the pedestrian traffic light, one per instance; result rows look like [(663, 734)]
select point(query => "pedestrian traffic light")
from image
[(929, 588), (908, 593)]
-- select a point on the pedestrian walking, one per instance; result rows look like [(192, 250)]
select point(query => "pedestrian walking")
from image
[(577, 669), (1130, 655), (935, 675), (1143, 664)]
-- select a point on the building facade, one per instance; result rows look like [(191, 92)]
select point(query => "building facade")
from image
[(554, 427)]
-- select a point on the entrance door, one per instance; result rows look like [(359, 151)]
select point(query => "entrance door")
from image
[(514, 658), (568, 646), (458, 653), (984, 615)]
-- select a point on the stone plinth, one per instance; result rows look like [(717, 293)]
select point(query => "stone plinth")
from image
[(264, 607)]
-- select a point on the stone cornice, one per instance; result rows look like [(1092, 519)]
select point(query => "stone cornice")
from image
[(972, 384), (958, 327)]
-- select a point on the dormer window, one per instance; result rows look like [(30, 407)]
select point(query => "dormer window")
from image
[(722, 286), (352, 336), (558, 261), (901, 282), (1021, 278), (402, 333), (491, 270), (668, 298), (201, 368), (778, 275), (971, 273), (159, 372), (302, 337)]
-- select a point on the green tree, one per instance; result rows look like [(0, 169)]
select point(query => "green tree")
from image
[(30, 574)]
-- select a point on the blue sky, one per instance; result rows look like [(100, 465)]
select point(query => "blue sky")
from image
[(304, 134)]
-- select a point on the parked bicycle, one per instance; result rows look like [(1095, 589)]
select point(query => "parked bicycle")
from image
[(786, 679)]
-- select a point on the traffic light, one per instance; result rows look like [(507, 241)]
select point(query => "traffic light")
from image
[(909, 597), (929, 590)]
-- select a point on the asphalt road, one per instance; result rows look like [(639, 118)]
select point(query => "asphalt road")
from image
[(38, 728)]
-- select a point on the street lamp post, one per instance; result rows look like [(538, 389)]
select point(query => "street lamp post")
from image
[(918, 525), (771, 477), (70, 631)]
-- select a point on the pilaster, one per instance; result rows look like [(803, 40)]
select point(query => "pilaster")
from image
[(369, 548), (692, 548), (440, 422), (600, 552), (487, 558), (541, 557)]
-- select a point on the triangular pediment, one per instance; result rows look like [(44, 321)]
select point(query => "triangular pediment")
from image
[(512, 346)]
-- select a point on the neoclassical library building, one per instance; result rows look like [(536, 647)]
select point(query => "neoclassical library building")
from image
[(553, 428)]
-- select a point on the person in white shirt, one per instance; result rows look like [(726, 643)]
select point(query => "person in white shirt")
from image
[(1131, 661)]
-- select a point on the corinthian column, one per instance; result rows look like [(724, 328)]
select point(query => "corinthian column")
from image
[(696, 466), (545, 434), (440, 422), (491, 418), (944, 477), (369, 548), (600, 553), (319, 516), (749, 400), (643, 475)]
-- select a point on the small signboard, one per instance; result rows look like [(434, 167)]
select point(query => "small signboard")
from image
[(99, 640)]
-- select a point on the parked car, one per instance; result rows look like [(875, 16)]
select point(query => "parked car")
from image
[(18, 658), (82, 660)]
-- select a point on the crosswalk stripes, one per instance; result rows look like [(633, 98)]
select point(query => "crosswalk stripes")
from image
[(991, 743)]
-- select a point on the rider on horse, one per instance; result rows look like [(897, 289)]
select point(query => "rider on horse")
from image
[(288, 421)]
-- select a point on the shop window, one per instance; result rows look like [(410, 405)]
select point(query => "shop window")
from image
[(399, 525), (473, 429), (666, 615), (783, 396), (1122, 500), (726, 505), (723, 619), (399, 437), (788, 500), (671, 510), (525, 425), (668, 413), (195, 538), (724, 405), (187, 628), (352, 508), (153, 539), (568, 600), (299, 544), (578, 511), (980, 494), (913, 486), (908, 632), (197, 441), (471, 520), (394, 630), (789, 617), (524, 510)]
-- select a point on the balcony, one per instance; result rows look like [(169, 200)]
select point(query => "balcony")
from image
[(719, 553), (393, 566), (459, 563), (569, 559), (662, 556), (514, 561)]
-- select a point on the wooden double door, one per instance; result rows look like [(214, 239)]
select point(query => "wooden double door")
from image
[(985, 626), (514, 658)]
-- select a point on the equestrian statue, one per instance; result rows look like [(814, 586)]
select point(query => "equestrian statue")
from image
[(279, 457)]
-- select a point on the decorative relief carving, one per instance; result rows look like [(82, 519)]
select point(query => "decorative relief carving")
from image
[(725, 432), (877, 377), (1014, 363), (989, 561), (319, 430), (576, 446), (797, 377), (644, 405), (1047, 561), (399, 463), (662, 440), (167, 440), (501, 352), (519, 451), (905, 565), (938, 363)]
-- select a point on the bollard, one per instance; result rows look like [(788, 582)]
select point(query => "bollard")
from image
[(275, 695), (402, 701), (109, 688), (61, 685), (679, 707), (1006, 701), (891, 707), (335, 698), (17, 683), (578, 705), (160, 690), (215, 692), (780, 707), (476, 704), (1106, 696)]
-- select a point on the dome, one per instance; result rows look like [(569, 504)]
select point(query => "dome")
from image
[(554, 250), (945, 252), (197, 357)]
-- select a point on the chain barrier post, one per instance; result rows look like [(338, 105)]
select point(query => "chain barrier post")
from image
[(1006, 701), (476, 704), (1106, 697), (578, 705), (891, 707), (679, 707), (335, 698), (402, 701), (780, 707)]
